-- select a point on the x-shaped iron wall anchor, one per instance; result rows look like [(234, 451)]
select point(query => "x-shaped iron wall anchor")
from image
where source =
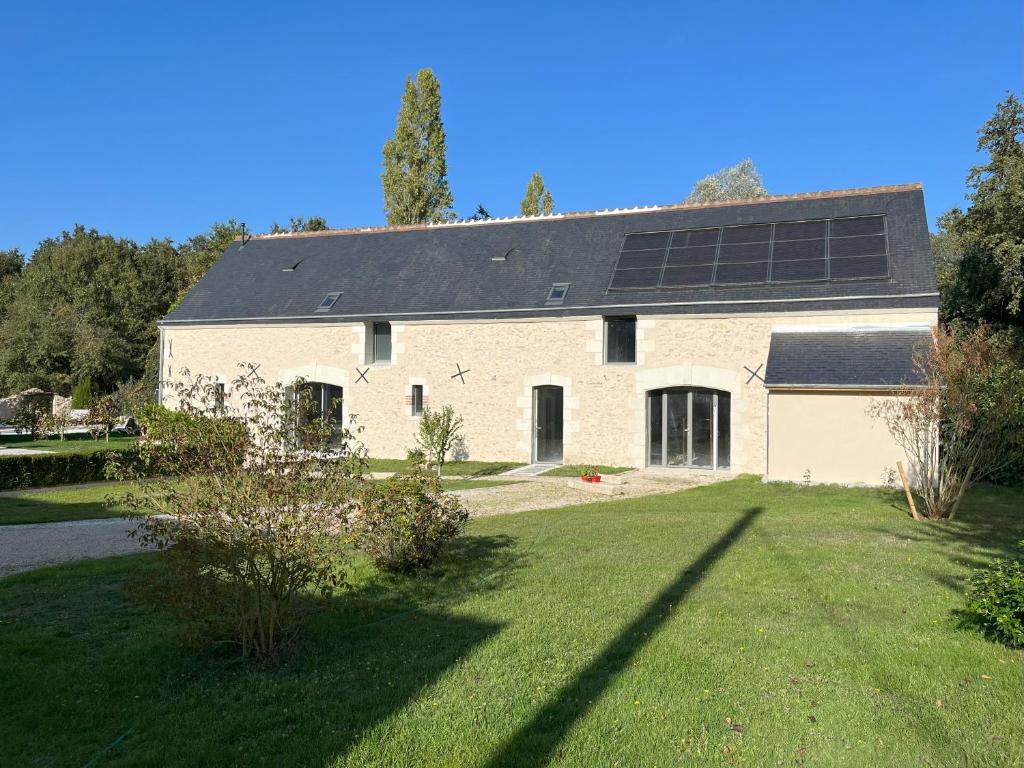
[(461, 373), (754, 374), (362, 376)]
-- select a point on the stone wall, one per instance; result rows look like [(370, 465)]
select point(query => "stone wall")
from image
[(502, 361)]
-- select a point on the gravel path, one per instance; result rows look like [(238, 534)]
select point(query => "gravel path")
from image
[(24, 547)]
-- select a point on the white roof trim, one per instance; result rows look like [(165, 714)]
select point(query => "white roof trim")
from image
[(848, 328)]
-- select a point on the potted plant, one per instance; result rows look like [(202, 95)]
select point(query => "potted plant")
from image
[(589, 475)]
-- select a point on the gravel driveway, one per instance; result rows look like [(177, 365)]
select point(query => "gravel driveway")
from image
[(24, 547)]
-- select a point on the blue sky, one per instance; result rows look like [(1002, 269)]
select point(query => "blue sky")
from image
[(156, 119)]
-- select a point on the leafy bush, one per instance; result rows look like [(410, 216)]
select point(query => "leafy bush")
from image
[(38, 470), (251, 524), (405, 522), (996, 600)]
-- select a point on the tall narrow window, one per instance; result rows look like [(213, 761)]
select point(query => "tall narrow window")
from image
[(417, 399), (620, 339), (218, 396), (378, 342)]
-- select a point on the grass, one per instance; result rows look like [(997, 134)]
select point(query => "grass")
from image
[(70, 444), (83, 502), (575, 470), (738, 624), (87, 502), (460, 468)]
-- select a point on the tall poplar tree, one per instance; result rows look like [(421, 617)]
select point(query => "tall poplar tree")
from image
[(538, 199), (415, 176)]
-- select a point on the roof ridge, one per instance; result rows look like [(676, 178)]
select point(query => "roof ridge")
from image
[(821, 195)]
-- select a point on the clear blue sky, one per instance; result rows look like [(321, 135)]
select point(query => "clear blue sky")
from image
[(155, 119)]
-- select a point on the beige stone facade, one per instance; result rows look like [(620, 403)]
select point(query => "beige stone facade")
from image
[(604, 405)]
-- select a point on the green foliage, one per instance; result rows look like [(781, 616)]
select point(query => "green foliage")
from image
[(439, 432), (415, 177), (299, 224), (482, 214), (966, 418), (737, 182), (11, 263), (40, 470), (84, 307), (404, 523), (996, 600), (538, 200), (81, 395), (986, 282), (248, 516)]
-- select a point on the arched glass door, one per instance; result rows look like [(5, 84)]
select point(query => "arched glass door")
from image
[(688, 427)]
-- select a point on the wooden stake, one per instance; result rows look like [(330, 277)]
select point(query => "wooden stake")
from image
[(906, 489)]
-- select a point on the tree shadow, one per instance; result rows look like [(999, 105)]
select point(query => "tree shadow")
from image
[(374, 650), (989, 525), (18, 510), (535, 742)]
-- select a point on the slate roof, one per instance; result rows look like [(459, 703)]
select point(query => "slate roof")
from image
[(448, 271), (870, 358)]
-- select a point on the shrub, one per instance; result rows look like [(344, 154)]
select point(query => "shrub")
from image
[(38, 470), (251, 524), (439, 432), (405, 522), (81, 395), (996, 600)]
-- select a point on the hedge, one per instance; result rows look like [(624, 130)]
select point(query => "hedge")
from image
[(37, 470)]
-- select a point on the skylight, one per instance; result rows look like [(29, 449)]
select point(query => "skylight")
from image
[(329, 301), (557, 293)]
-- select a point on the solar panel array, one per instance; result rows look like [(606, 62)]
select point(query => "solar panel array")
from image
[(751, 254)]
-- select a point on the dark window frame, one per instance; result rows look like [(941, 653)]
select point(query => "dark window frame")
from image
[(624, 350), (417, 400)]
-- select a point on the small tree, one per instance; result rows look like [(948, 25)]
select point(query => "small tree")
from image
[(439, 432), (538, 199), (102, 415), (56, 422), (250, 523), (738, 182), (964, 421), (81, 396)]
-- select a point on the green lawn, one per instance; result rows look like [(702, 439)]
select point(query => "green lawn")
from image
[(70, 444), (575, 470), (736, 624), (86, 502), (461, 468), (83, 502)]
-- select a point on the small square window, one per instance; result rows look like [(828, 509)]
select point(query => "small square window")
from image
[(329, 301), (620, 339), (417, 399)]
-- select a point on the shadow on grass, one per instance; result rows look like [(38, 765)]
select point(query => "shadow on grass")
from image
[(16, 510), (988, 526), (534, 744), (374, 651)]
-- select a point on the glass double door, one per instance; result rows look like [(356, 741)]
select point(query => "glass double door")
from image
[(688, 428)]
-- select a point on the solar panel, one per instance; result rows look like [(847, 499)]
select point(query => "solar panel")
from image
[(636, 278), (860, 266), (678, 277), (791, 251)]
